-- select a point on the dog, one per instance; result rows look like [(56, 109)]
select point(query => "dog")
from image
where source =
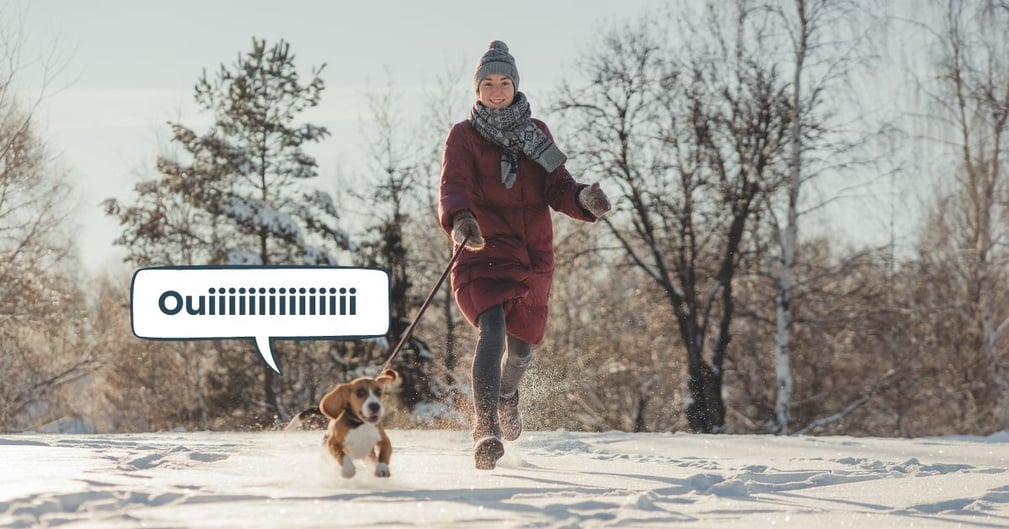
[(355, 410)]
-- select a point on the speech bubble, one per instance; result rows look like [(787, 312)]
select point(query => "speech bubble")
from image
[(259, 302)]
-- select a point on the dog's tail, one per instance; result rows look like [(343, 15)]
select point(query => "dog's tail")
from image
[(298, 420)]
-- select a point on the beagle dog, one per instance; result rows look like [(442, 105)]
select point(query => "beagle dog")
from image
[(355, 431)]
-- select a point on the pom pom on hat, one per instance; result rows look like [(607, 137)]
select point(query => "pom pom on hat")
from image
[(496, 60)]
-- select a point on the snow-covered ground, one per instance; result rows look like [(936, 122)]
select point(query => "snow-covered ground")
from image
[(546, 479)]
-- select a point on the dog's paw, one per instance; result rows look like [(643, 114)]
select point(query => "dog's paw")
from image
[(348, 470), (382, 470)]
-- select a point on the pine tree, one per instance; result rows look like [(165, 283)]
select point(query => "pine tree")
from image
[(240, 197)]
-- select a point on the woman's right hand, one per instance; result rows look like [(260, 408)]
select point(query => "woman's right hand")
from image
[(464, 225)]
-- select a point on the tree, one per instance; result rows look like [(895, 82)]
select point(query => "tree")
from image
[(144, 385), (693, 142), (392, 193), (241, 197), (605, 356), (822, 60), (968, 107), (43, 328), (446, 104)]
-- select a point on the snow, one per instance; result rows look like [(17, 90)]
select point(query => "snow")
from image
[(325, 201), (242, 257), (546, 479), (260, 214)]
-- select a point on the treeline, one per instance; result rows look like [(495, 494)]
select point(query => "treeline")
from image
[(709, 300)]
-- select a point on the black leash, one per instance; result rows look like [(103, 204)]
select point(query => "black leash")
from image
[(416, 320)]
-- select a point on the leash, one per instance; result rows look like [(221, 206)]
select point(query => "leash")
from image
[(416, 320)]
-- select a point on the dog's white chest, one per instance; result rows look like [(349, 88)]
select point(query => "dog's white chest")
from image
[(361, 440)]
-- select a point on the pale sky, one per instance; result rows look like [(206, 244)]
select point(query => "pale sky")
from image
[(131, 66)]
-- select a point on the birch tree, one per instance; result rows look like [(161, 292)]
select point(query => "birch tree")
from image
[(824, 51)]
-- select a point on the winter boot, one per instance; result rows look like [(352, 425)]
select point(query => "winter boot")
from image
[(487, 446), (511, 419), (487, 451)]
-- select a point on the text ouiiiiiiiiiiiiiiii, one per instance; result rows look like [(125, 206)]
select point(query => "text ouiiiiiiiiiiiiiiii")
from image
[(262, 301)]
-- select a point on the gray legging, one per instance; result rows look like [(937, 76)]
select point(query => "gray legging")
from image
[(490, 379)]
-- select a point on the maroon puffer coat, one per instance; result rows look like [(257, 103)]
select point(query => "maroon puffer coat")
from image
[(516, 266)]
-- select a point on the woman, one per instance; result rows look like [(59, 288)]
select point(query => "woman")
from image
[(501, 174)]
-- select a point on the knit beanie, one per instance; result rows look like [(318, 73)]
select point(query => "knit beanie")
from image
[(496, 60)]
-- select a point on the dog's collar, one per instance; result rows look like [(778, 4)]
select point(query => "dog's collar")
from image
[(350, 418)]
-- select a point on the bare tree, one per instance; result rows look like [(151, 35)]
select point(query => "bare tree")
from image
[(969, 109), (393, 195), (826, 38), (446, 105), (144, 385), (42, 321), (606, 359), (693, 141)]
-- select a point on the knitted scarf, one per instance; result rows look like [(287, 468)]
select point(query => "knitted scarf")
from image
[(511, 129)]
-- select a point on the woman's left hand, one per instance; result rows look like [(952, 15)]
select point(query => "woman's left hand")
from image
[(594, 199)]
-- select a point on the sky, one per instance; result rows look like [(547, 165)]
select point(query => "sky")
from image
[(126, 68), (550, 480)]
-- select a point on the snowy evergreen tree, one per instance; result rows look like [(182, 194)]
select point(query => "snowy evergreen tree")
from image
[(241, 196)]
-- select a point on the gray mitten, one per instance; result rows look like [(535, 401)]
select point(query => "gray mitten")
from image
[(594, 199), (464, 225)]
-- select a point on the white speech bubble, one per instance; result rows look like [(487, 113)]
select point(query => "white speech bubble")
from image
[(186, 303)]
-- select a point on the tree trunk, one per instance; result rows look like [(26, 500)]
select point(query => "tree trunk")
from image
[(705, 408), (269, 393), (639, 416), (790, 240)]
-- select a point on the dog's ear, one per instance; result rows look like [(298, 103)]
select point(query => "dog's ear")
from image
[(333, 403), (388, 375)]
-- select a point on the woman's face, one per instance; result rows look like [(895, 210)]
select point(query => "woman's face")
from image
[(495, 91)]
